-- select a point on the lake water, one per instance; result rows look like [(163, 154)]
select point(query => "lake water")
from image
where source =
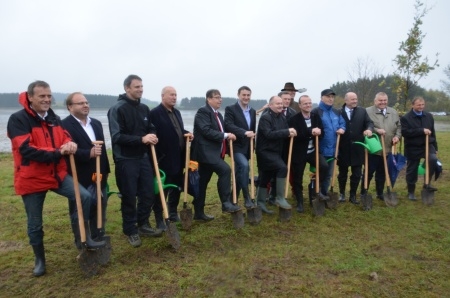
[(101, 115)]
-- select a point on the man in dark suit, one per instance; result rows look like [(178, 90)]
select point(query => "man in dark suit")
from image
[(84, 130), (308, 125), (358, 125), (240, 119), (208, 149), (170, 150)]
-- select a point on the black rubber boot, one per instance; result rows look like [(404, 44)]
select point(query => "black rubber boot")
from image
[(39, 260), (76, 234), (89, 242), (248, 203), (173, 198)]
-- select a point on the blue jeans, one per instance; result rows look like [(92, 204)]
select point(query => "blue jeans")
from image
[(34, 204), (242, 168)]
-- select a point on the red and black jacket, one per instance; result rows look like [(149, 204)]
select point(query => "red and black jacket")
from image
[(38, 165)]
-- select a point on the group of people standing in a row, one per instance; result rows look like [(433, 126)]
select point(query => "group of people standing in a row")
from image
[(42, 142)]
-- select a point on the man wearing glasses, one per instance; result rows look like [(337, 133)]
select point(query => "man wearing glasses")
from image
[(208, 149), (84, 130)]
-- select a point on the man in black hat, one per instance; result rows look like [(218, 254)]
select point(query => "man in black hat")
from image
[(291, 89)]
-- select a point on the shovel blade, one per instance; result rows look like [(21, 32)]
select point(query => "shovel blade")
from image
[(284, 215), (318, 206), (427, 197), (172, 235), (333, 201), (366, 202), (87, 259), (254, 216), (238, 219), (186, 218), (104, 253), (390, 199)]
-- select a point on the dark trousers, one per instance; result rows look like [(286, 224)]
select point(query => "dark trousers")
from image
[(205, 170), (376, 166), (298, 169), (354, 178), (413, 164), (135, 181), (172, 194)]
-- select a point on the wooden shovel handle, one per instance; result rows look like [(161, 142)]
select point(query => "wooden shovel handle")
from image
[(317, 163), (158, 178), (252, 182), (233, 174), (386, 171), (427, 173), (76, 189), (333, 177), (286, 185), (99, 187), (186, 168)]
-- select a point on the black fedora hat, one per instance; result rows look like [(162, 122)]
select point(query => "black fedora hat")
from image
[(289, 87)]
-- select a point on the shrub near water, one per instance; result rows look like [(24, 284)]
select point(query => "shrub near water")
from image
[(386, 252)]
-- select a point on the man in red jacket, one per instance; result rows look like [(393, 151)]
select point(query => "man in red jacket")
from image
[(38, 145)]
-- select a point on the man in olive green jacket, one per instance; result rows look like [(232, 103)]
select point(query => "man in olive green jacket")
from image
[(386, 124)]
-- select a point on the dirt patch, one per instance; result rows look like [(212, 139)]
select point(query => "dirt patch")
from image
[(7, 246)]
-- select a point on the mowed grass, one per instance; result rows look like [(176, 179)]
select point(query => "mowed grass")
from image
[(406, 248)]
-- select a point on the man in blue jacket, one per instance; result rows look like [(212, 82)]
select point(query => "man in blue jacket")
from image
[(333, 124)]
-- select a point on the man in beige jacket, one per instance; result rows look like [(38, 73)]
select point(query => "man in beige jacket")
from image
[(386, 125)]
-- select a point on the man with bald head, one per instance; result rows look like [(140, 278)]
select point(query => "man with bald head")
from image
[(170, 150), (273, 130), (359, 125)]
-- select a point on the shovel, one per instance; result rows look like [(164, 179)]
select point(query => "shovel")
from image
[(390, 198), (87, 258), (332, 202), (186, 213), (172, 232), (286, 214), (254, 215), (237, 216), (427, 193), (318, 203), (103, 253), (366, 198)]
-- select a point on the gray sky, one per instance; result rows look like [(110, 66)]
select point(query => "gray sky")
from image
[(195, 45)]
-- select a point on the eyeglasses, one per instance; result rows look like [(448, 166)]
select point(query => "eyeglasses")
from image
[(80, 103), (217, 97)]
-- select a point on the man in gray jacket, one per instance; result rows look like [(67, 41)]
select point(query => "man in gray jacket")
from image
[(387, 125)]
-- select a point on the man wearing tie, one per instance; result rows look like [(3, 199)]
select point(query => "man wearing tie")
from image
[(208, 149), (387, 125), (358, 125)]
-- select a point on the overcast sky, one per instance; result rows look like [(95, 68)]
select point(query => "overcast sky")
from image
[(196, 45)]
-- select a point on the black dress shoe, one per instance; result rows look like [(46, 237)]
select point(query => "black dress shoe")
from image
[(430, 188), (230, 208), (203, 217), (353, 200)]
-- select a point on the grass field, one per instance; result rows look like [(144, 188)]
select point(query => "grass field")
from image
[(385, 252)]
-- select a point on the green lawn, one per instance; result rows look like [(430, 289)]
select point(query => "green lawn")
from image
[(407, 248)]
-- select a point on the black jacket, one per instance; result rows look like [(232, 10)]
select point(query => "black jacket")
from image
[(171, 154), (235, 123), (304, 135), (129, 121), (272, 133), (412, 132), (207, 143), (86, 165), (349, 153)]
